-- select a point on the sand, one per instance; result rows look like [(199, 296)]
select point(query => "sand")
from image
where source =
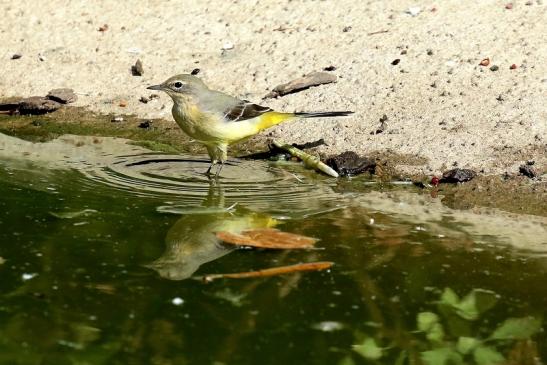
[(440, 103)]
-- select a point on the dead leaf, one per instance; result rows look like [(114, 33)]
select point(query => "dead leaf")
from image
[(267, 238), (282, 270)]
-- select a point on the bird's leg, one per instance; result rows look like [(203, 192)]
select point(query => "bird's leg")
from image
[(208, 172), (219, 169)]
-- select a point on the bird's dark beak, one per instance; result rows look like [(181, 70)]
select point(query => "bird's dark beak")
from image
[(155, 87)]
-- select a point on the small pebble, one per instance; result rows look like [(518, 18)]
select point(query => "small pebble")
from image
[(346, 29), (123, 103), (227, 46), (144, 99), (137, 69), (413, 10), (195, 71), (396, 61), (330, 68), (16, 56), (485, 62), (513, 66), (103, 28), (494, 68), (117, 119), (41, 57), (429, 52), (509, 6)]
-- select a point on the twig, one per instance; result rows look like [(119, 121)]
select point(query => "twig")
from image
[(309, 160), (312, 266), (378, 32)]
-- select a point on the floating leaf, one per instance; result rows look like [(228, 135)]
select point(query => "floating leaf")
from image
[(467, 344), (517, 328), (70, 215), (369, 349), (442, 356), (485, 355), (267, 238), (312, 266)]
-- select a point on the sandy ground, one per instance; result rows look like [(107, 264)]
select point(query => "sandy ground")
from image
[(440, 103)]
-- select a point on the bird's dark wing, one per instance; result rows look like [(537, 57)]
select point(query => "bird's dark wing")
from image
[(244, 110)]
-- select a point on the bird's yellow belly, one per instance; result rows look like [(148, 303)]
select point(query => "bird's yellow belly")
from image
[(209, 128)]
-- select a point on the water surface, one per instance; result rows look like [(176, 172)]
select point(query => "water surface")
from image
[(99, 260)]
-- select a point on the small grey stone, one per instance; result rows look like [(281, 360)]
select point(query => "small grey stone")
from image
[(137, 69), (494, 68), (37, 105), (457, 175), (63, 95), (16, 56)]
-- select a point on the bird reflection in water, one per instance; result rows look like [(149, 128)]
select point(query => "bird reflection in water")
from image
[(192, 242)]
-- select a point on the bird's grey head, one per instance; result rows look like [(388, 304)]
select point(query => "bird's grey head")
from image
[(180, 87)]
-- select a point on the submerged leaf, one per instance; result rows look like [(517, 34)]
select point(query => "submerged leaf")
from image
[(449, 297), (442, 356), (70, 215), (485, 355), (467, 344), (369, 349), (426, 320), (267, 238), (312, 266), (346, 361), (517, 328), (472, 305)]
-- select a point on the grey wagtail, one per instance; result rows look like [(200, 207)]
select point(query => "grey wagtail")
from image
[(217, 119)]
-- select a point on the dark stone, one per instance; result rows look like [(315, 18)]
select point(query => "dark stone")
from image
[(308, 145), (350, 163), (137, 69), (145, 124), (330, 68), (144, 99), (38, 105), (396, 61), (16, 56), (494, 68), (457, 176), (195, 71), (63, 96), (528, 171)]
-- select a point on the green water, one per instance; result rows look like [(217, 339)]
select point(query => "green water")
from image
[(99, 267)]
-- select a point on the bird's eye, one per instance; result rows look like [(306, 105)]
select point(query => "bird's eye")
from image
[(177, 84)]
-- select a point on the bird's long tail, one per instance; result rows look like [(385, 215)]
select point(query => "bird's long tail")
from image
[(322, 114), (270, 119)]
